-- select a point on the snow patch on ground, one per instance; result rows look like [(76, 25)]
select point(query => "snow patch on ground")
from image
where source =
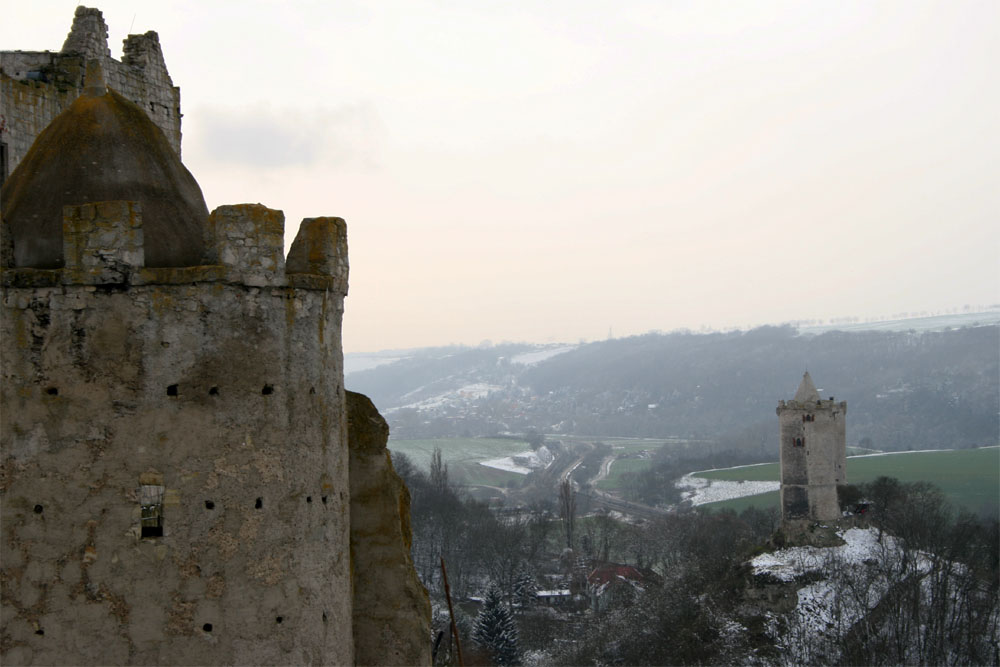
[(847, 591), (787, 564), (355, 363), (532, 358), (701, 490), (467, 392), (522, 463)]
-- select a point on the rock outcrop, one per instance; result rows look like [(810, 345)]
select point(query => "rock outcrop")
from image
[(392, 613)]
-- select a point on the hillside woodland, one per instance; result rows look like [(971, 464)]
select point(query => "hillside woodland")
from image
[(905, 390)]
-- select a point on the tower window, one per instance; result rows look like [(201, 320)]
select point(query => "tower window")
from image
[(3, 162), (799, 442), (151, 506)]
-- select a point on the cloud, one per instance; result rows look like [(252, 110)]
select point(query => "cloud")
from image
[(349, 136)]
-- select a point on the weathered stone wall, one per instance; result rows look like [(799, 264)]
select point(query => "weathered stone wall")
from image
[(811, 472), (36, 86), (180, 394), (392, 612), (102, 243)]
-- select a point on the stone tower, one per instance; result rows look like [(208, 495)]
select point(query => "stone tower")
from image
[(176, 479), (813, 454)]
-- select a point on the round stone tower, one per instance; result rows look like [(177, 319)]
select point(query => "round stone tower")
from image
[(175, 466), (813, 454)]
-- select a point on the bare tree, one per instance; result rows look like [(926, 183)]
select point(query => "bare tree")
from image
[(439, 472), (567, 509)]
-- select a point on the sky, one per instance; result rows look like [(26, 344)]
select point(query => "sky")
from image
[(558, 171)]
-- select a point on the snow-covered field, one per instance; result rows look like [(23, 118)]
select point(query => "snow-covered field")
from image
[(458, 396), (700, 490), (522, 463), (532, 358), (355, 363)]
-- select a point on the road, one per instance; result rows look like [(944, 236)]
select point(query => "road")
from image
[(602, 499)]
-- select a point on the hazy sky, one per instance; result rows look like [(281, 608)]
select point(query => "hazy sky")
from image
[(546, 171)]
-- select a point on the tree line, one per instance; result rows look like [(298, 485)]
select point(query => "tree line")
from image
[(929, 596)]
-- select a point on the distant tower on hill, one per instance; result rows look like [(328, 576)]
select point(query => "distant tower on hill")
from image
[(813, 454)]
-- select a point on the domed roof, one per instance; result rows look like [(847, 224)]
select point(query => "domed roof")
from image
[(103, 148)]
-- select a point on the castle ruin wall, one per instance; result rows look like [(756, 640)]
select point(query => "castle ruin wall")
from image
[(175, 474), (36, 86)]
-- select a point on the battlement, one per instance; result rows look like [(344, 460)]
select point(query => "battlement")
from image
[(249, 240), (807, 406), (103, 245), (102, 242)]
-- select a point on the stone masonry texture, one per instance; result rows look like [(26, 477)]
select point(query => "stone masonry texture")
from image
[(35, 86), (228, 396), (177, 481), (813, 455)]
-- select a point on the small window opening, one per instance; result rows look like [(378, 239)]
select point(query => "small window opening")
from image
[(207, 627), (260, 503), (3, 162), (323, 498), (799, 442), (324, 617), (39, 632), (52, 391), (309, 499), (312, 390), (151, 504), (213, 391), (278, 619), (209, 505), (267, 390), (39, 509), (172, 390)]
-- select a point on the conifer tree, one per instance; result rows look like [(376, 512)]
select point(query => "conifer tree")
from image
[(524, 588), (495, 630)]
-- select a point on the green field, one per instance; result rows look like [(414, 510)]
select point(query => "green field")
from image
[(619, 468), (970, 478), (462, 455)]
